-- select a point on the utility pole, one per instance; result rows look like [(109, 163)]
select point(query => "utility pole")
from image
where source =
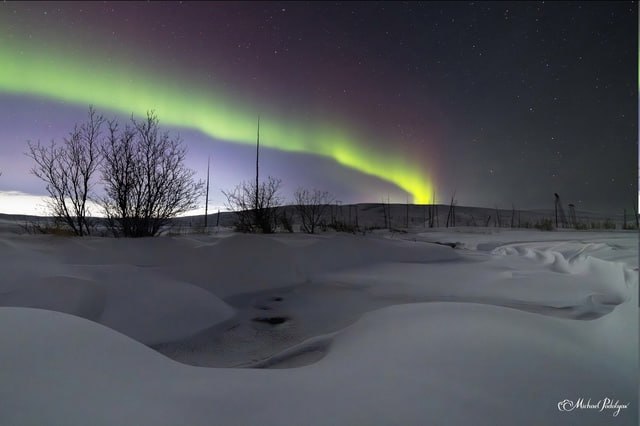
[(206, 201), (573, 220)]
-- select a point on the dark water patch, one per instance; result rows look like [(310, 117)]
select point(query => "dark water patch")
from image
[(271, 320)]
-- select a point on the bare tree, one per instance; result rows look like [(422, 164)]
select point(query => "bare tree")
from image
[(68, 170), (311, 206), (146, 180), (255, 206)]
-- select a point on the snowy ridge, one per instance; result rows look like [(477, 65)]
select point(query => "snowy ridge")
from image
[(594, 305)]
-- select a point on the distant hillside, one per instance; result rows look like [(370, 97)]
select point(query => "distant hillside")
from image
[(372, 215), (400, 215)]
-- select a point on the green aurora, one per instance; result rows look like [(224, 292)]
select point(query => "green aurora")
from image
[(129, 89)]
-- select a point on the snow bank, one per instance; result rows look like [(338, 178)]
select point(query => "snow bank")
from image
[(433, 363), (506, 333), (249, 263), (133, 298), (237, 264), (617, 246)]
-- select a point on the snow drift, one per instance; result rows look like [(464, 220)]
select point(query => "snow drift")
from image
[(381, 329)]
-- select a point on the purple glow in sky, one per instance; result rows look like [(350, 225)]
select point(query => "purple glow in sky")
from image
[(501, 102)]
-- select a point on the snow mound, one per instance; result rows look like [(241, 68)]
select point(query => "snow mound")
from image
[(154, 309), (63, 370), (136, 300), (447, 363), (249, 263), (58, 293), (238, 264)]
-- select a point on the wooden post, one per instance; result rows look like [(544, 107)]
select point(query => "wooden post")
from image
[(513, 213), (206, 201), (556, 206), (454, 214), (357, 226), (424, 216), (407, 220)]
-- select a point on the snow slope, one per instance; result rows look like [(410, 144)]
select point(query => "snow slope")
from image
[(113, 282), (382, 329)]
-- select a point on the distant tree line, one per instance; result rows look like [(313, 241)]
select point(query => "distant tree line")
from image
[(144, 183)]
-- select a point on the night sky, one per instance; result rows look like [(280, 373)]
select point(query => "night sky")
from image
[(500, 102)]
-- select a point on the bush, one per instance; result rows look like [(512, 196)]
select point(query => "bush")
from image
[(311, 207), (68, 169), (285, 221), (606, 224), (343, 227), (255, 208), (146, 180), (57, 228), (544, 225)]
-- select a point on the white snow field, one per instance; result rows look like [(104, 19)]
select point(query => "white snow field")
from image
[(465, 326)]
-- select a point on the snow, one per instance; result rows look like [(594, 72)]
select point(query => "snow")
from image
[(378, 329), (91, 278)]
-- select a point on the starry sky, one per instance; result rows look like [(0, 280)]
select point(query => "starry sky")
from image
[(502, 103)]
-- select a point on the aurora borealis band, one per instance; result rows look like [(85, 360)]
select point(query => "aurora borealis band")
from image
[(500, 103), (52, 74)]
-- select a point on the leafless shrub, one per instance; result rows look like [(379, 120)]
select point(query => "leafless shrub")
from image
[(146, 180), (68, 169), (255, 209), (286, 221), (311, 207)]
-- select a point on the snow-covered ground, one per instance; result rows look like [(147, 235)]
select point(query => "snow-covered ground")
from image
[(463, 326)]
